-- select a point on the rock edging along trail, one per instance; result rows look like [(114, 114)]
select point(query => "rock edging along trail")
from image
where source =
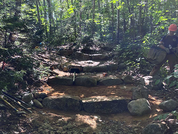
[(104, 105)]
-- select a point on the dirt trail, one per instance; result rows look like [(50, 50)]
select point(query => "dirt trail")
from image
[(108, 91)]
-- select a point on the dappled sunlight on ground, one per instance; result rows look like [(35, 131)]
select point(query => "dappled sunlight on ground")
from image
[(89, 120), (84, 92), (102, 93)]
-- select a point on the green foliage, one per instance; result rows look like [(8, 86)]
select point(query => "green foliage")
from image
[(171, 79), (41, 72), (166, 115), (9, 78), (161, 117)]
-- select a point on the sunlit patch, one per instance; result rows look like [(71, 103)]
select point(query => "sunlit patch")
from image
[(112, 86), (113, 93), (57, 94), (85, 119), (153, 115), (154, 100), (82, 95), (159, 110)]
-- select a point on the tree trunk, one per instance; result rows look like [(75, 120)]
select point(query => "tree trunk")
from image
[(99, 8), (45, 17), (80, 22), (17, 9), (93, 17), (38, 13), (132, 27), (112, 7), (140, 19), (61, 15), (118, 23), (50, 16), (75, 25), (67, 3), (93, 11)]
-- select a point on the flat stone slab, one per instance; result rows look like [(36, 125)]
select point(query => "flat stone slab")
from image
[(85, 81), (109, 81), (68, 81), (66, 103), (105, 105), (101, 68)]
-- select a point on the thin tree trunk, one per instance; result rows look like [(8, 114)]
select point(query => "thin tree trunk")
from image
[(61, 14), (99, 8), (45, 17), (93, 17), (38, 13), (75, 25), (112, 7), (140, 19), (18, 8), (80, 22), (124, 21), (50, 16), (67, 3), (118, 23), (93, 11), (130, 9)]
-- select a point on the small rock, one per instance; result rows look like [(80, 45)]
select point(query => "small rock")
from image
[(27, 97), (128, 79), (37, 104), (43, 95)]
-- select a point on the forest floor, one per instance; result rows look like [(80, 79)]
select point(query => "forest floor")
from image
[(45, 121)]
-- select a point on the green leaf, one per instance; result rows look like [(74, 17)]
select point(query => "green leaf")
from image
[(157, 82), (162, 116), (172, 84)]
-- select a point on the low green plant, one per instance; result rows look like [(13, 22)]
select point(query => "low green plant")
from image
[(171, 79), (166, 115)]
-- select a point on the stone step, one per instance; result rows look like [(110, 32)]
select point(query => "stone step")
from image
[(103, 105), (88, 81)]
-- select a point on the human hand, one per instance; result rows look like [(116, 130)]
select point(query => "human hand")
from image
[(167, 50)]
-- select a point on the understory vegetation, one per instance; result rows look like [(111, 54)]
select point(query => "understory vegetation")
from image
[(128, 27)]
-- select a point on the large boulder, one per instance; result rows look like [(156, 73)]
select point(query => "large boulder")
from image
[(105, 105), (139, 107), (168, 105), (66, 103)]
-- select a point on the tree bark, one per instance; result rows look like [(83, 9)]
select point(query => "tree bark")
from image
[(100, 30), (112, 21), (118, 23), (18, 8), (50, 16), (45, 17), (38, 13)]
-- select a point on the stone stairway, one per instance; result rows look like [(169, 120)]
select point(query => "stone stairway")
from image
[(90, 70)]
